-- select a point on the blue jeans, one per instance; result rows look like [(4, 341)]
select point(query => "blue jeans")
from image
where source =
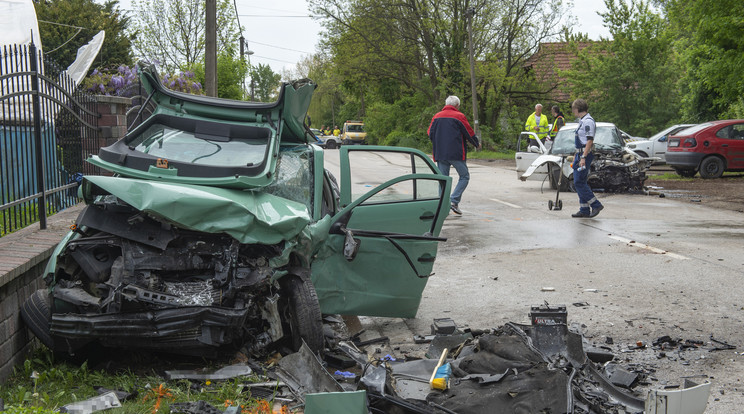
[(586, 196), (462, 170)]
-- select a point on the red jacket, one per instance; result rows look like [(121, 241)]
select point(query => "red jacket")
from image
[(449, 130)]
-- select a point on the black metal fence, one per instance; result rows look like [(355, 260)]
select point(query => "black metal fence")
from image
[(48, 127)]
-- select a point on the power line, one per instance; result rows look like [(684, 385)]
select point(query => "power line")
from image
[(309, 16), (278, 60), (279, 47)]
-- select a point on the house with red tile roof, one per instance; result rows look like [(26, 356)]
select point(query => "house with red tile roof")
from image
[(547, 63)]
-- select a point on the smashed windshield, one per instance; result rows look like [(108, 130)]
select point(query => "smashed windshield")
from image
[(233, 150), (606, 139)]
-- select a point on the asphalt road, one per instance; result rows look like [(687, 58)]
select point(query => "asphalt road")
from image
[(644, 268)]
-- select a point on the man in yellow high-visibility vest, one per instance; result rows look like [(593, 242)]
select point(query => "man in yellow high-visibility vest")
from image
[(537, 123)]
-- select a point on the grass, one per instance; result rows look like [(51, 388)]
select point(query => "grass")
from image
[(43, 384), (491, 155)]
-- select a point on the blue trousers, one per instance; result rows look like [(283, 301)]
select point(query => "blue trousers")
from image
[(586, 196), (462, 170)]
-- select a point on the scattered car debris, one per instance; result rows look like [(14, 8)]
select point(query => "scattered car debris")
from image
[(224, 373), (92, 405)]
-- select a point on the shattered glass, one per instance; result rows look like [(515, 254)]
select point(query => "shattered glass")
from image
[(192, 293), (294, 176)]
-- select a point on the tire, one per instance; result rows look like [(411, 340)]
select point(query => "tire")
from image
[(642, 154), (712, 167), (550, 205), (36, 312), (301, 315), (331, 144), (685, 173)]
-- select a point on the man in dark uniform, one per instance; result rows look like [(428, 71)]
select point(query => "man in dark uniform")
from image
[(584, 140), (449, 133)]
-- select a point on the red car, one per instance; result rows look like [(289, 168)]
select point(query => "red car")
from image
[(711, 148)]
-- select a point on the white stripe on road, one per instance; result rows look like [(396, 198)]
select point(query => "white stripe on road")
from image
[(653, 249), (505, 203)]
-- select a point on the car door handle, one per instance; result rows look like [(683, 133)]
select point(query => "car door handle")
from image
[(427, 216), (724, 145), (427, 259)]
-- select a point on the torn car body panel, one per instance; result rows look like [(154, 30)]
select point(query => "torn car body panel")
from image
[(247, 216), (192, 139)]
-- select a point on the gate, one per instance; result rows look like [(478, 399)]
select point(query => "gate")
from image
[(48, 127)]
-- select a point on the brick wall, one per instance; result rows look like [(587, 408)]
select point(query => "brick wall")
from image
[(23, 254)]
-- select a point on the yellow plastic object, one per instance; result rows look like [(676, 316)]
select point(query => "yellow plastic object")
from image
[(439, 383)]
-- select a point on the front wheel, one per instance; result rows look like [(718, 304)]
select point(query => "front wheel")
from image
[(712, 167), (301, 314), (331, 144), (36, 311)]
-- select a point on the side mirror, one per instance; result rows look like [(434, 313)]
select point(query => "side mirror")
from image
[(351, 245), (663, 139)]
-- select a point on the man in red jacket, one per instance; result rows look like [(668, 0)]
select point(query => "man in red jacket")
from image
[(449, 133)]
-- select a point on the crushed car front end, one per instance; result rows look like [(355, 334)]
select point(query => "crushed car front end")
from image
[(201, 239), (614, 169)]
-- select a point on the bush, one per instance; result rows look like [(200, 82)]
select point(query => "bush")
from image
[(121, 81)]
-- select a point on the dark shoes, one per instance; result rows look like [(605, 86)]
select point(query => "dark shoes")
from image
[(596, 211), (455, 209)]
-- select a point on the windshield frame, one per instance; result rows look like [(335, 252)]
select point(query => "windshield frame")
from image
[(566, 146), (126, 154)]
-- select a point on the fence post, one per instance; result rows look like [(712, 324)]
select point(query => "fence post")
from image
[(37, 136)]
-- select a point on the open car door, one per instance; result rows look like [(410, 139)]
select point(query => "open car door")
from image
[(383, 241)]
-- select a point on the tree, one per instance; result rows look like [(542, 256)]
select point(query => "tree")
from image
[(170, 33), (66, 25), (264, 83), (631, 80), (231, 72), (709, 43), (388, 50)]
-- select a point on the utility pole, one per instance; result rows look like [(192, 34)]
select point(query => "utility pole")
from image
[(210, 55), (469, 13)]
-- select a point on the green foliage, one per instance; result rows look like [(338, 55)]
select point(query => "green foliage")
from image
[(61, 42), (43, 384), (631, 80), (709, 44), (264, 83), (170, 33), (231, 73)]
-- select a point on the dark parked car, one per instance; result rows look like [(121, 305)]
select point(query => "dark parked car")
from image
[(710, 148), (221, 227)]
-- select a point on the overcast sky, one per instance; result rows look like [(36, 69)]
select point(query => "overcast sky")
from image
[(280, 32)]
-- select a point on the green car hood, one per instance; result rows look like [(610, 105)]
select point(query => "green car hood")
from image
[(248, 216)]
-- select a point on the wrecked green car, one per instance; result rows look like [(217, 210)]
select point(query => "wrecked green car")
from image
[(220, 225)]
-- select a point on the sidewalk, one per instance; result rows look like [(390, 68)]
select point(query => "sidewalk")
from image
[(22, 250)]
